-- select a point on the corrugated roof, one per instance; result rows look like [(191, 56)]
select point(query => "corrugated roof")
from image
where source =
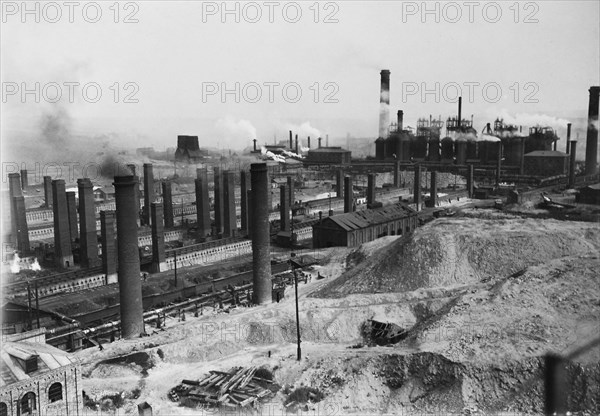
[(546, 153), (328, 150), (362, 219), (48, 358)]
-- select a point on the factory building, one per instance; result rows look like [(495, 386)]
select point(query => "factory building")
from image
[(329, 155), (355, 228), (546, 163), (38, 379)]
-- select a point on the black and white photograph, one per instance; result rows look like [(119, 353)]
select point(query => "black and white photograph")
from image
[(300, 208)]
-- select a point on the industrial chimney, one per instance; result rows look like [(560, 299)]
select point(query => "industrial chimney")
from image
[(459, 113), (297, 149), (130, 286), (591, 144), (400, 120), (261, 252), (568, 138), (384, 104)]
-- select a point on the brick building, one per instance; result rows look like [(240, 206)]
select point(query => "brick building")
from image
[(38, 379), (355, 228), (331, 155), (546, 163)]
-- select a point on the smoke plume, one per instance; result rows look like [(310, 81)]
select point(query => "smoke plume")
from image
[(235, 133), (531, 120)]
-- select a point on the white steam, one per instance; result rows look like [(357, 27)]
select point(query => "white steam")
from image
[(235, 133), (303, 130), (14, 264), (531, 120)]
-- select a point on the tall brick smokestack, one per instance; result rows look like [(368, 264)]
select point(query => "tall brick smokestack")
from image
[(109, 248), (291, 142), (591, 144), (22, 233), (400, 120), (417, 187), (88, 241), (62, 235), (218, 200), (48, 191), (384, 104), (24, 179), (130, 286), (319, 142), (370, 190), (261, 256), (14, 190), (72, 210), (459, 113), (229, 214), (348, 194), (568, 138), (573, 155), (297, 148), (308, 142), (284, 208), (244, 201), (148, 191), (167, 192), (202, 203), (433, 189), (158, 238)]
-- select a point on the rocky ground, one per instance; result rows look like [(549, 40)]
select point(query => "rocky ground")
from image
[(482, 301)]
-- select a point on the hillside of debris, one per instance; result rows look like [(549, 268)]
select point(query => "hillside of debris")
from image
[(460, 251)]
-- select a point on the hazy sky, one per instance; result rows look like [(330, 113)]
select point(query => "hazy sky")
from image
[(177, 50)]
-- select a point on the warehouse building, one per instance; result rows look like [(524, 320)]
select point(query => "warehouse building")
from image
[(546, 163), (331, 155), (355, 228)]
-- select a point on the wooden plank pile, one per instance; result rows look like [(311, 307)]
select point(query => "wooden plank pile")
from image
[(240, 387)]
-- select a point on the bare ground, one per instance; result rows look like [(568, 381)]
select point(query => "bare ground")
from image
[(482, 302)]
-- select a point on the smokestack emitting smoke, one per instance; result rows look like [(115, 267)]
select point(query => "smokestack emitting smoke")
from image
[(400, 120), (591, 143), (384, 104)]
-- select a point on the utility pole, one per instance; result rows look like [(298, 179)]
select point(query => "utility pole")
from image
[(297, 314), (175, 252), (295, 273)]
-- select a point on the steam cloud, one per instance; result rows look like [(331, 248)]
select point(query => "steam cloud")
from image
[(304, 130), (531, 120), (236, 133)]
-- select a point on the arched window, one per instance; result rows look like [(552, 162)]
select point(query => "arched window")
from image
[(3, 409), (55, 392), (28, 404)]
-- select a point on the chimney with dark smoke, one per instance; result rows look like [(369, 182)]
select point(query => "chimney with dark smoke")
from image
[(384, 104)]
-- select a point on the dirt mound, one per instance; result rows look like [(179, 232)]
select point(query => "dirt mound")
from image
[(460, 251), (430, 383)]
